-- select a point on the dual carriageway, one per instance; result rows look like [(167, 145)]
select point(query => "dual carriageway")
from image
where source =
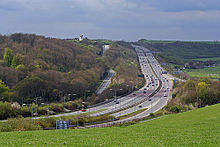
[(154, 95)]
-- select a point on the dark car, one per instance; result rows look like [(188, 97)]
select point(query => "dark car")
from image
[(145, 92), (134, 93), (140, 106), (145, 88)]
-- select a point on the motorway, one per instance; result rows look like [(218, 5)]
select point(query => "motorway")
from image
[(154, 95), (106, 82)]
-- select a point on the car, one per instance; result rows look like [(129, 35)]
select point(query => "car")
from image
[(147, 85), (134, 93), (145, 88), (164, 95), (140, 106), (153, 85), (145, 92), (117, 102), (83, 110)]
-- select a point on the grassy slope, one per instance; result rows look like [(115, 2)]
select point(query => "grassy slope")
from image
[(179, 52), (194, 128), (208, 59), (212, 72)]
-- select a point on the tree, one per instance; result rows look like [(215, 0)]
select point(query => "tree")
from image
[(202, 92), (8, 56), (17, 60), (3, 87)]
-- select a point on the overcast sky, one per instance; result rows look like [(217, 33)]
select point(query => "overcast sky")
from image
[(113, 19)]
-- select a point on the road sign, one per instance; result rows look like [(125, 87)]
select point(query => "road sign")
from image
[(62, 124)]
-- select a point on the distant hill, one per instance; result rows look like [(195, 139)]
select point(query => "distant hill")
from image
[(179, 52)]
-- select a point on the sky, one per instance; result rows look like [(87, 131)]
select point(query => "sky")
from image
[(128, 20)]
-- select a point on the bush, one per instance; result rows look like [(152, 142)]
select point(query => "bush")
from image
[(152, 114), (6, 110), (19, 124), (42, 110), (57, 107), (25, 111), (47, 122), (175, 109), (5, 127)]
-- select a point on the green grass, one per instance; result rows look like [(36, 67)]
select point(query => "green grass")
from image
[(211, 72), (132, 114), (173, 41), (193, 128), (207, 59)]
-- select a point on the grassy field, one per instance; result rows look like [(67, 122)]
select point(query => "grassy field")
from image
[(193, 128), (211, 72), (207, 59)]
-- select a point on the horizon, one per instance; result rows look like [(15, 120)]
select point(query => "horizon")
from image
[(63, 38)]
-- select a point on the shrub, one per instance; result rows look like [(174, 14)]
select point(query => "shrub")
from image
[(19, 124), (57, 107), (152, 114), (42, 111), (175, 109), (47, 122), (6, 110), (25, 111), (5, 127)]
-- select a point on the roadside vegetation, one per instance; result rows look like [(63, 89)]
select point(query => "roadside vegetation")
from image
[(27, 124), (132, 114)]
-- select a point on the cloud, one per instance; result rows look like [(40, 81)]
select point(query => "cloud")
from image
[(185, 5), (113, 19)]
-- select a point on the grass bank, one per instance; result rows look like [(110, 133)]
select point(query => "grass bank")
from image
[(200, 127)]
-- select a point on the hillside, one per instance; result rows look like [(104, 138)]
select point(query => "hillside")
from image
[(37, 66), (187, 54), (179, 52), (200, 127)]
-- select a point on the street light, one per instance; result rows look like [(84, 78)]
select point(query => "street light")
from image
[(150, 100)]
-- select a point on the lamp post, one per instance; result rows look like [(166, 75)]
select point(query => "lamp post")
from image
[(36, 105), (150, 100)]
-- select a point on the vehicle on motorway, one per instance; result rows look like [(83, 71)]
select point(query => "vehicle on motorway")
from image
[(164, 95), (117, 102), (134, 93), (83, 110), (140, 106), (145, 92), (145, 88)]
